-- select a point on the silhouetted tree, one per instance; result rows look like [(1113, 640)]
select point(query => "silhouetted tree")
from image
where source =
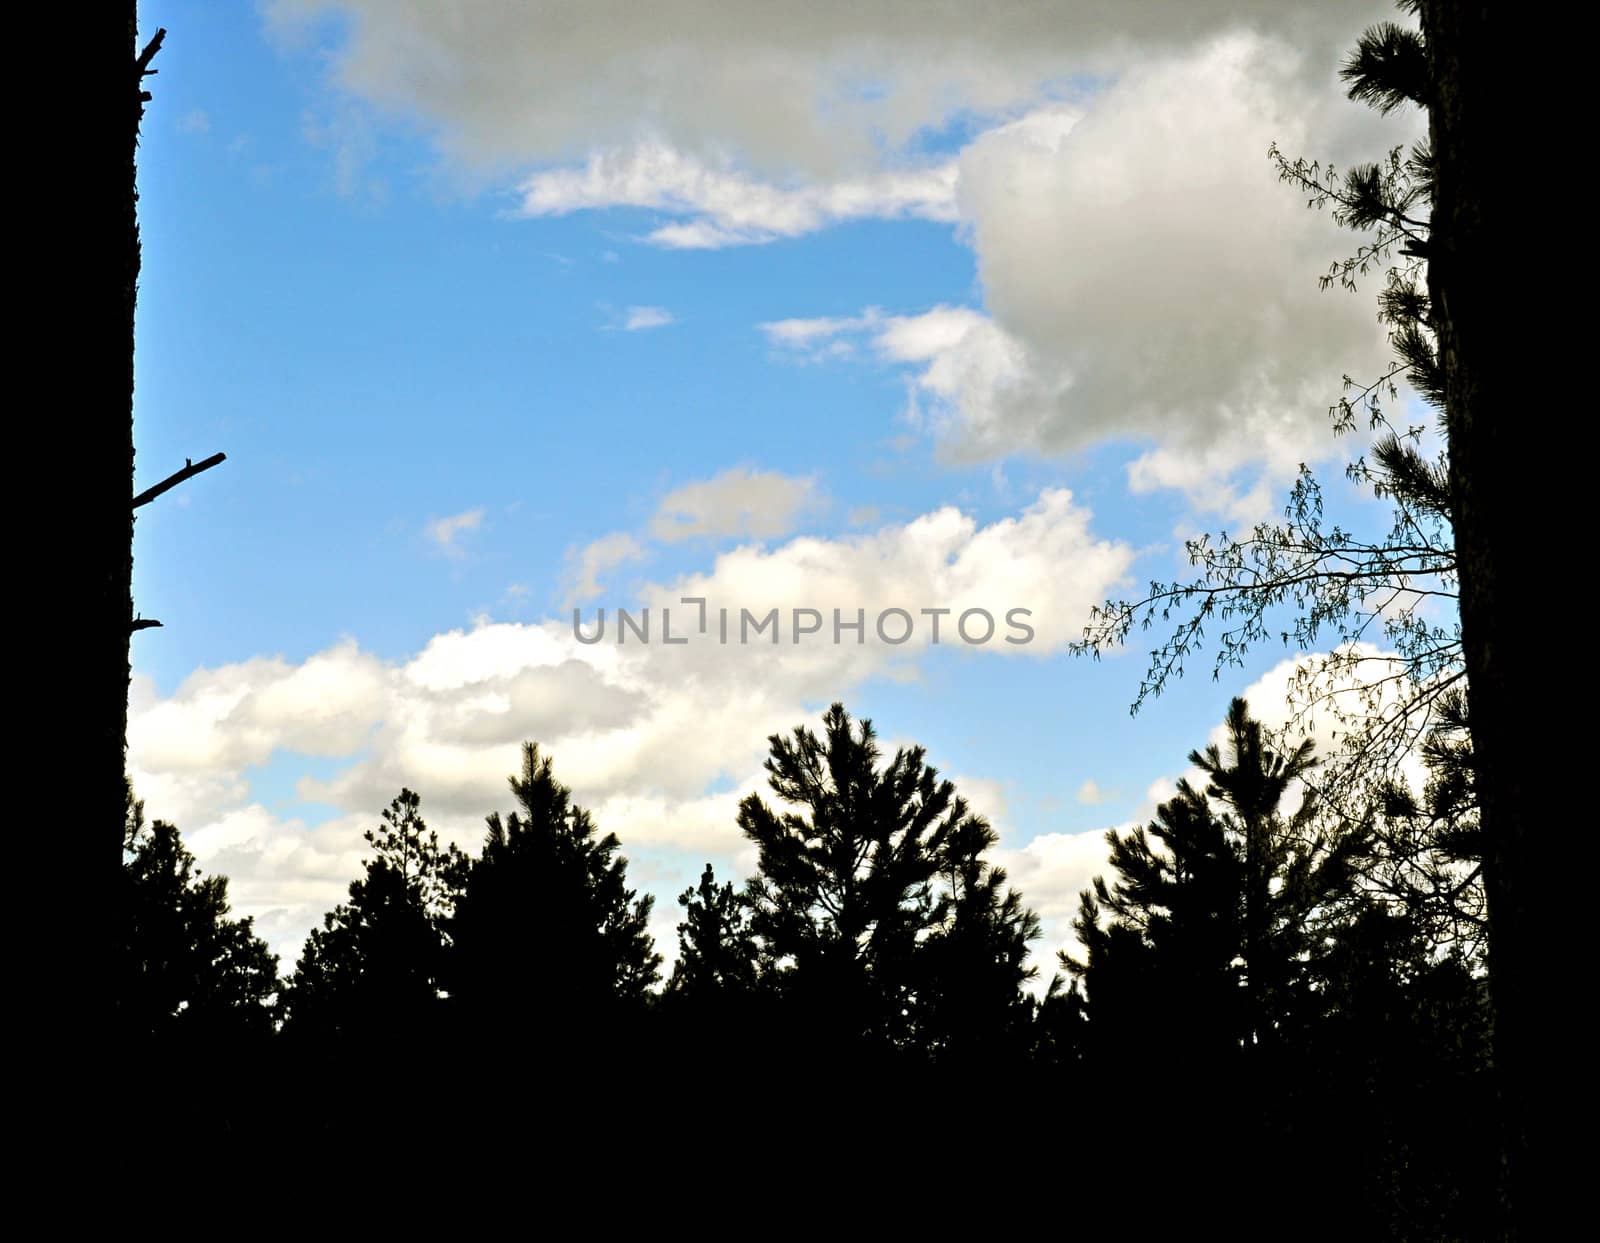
[(376, 963), (972, 968), (716, 1019), (1220, 906), (1457, 69), (1244, 979), (1392, 1084), (192, 976), (549, 940), (92, 285), (1161, 945), (1427, 865), (717, 955), (844, 887), (882, 926)]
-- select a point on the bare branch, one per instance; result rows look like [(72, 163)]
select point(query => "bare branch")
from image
[(189, 471)]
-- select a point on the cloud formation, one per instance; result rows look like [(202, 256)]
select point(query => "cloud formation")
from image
[(722, 206), (1146, 279), (446, 533), (831, 87), (659, 741), (740, 502), (587, 566), (642, 317)]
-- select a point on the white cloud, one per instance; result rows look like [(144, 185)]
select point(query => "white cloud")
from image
[(803, 333), (1154, 280), (1321, 695), (642, 317), (195, 121), (723, 206), (590, 563), (1050, 871), (446, 533), (819, 88), (1146, 279), (738, 502), (234, 717), (659, 741), (1091, 795)]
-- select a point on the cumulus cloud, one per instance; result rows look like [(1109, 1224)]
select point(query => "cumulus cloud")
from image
[(1050, 871), (1146, 279), (1156, 278), (446, 533), (832, 85), (738, 502), (1324, 696), (660, 741), (234, 717)]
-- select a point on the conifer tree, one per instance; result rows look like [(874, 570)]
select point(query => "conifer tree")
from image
[(1245, 980), (376, 964), (548, 937), (879, 921), (1221, 903), (973, 967), (191, 973), (845, 883), (717, 956)]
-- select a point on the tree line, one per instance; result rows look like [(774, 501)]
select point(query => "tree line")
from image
[(1249, 966)]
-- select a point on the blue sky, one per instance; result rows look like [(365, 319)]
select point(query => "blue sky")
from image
[(452, 342)]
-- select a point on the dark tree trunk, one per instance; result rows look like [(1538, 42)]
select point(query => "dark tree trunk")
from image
[(78, 325), (1486, 128), (113, 464)]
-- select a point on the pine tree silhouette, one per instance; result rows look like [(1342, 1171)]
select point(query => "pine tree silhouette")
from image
[(375, 966), (550, 945)]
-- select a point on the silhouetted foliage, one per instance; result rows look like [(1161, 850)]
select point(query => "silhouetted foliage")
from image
[(1242, 973), (548, 937), (376, 963), (973, 966), (1249, 985), (717, 954), (1222, 902), (881, 926), (191, 973)]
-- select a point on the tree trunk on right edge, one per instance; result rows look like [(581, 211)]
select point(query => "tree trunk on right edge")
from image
[(1486, 132)]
